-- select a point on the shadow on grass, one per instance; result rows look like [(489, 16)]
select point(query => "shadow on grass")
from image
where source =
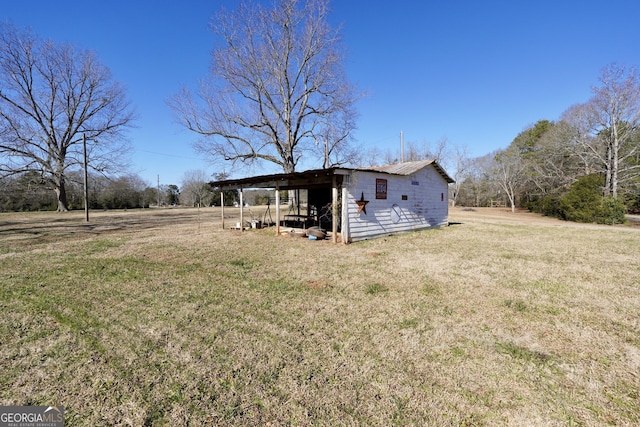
[(110, 223)]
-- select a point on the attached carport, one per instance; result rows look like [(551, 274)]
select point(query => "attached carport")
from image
[(318, 179)]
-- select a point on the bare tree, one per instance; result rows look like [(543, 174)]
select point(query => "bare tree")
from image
[(51, 95), (461, 170), (277, 86), (413, 151), (606, 128), (575, 134), (551, 167), (479, 187), (508, 172), (195, 189), (370, 157), (332, 145), (615, 116)]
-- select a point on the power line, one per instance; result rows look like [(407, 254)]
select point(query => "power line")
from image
[(166, 154)]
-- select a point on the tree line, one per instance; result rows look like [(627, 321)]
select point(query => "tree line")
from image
[(584, 166), (30, 192)]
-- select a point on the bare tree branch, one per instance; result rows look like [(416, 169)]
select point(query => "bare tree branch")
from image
[(276, 86), (52, 94)]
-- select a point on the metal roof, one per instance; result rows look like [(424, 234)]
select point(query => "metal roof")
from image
[(409, 168)]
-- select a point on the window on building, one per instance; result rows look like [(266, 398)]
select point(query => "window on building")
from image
[(381, 188)]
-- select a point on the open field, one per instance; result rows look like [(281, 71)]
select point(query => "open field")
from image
[(158, 317)]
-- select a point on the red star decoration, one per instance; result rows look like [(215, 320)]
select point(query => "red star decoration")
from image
[(362, 204)]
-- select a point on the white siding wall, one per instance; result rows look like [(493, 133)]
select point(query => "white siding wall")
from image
[(426, 203)]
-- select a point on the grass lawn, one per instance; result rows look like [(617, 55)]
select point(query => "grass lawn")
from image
[(161, 318)]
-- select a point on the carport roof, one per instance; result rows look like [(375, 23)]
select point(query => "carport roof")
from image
[(284, 181)]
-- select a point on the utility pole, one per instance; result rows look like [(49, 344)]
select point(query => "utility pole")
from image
[(158, 190), (86, 178), (401, 147)]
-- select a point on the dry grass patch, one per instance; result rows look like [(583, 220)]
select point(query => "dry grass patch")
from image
[(160, 318)]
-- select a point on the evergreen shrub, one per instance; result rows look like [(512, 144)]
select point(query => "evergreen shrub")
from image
[(584, 202), (611, 212)]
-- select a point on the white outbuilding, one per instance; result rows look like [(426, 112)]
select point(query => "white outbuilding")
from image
[(359, 203)]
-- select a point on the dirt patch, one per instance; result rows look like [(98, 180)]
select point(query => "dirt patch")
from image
[(318, 285)]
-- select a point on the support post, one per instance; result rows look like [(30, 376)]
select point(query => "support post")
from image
[(222, 205), (334, 210), (277, 210), (241, 211), (344, 216)]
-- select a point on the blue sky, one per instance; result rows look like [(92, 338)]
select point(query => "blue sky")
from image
[(474, 72)]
